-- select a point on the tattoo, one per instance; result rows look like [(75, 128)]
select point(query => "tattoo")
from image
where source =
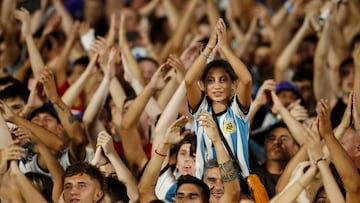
[(227, 171), (71, 118), (59, 106)]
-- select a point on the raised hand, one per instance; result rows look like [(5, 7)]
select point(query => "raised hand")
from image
[(263, 96), (189, 55), (12, 152), (173, 133), (323, 112), (5, 110), (299, 112), (221, 34), (23, 16), (111, 69), (175, 62), (347, 116), (101, 47), (36, 97), (276, 106), (46, 78), (106, 142), (23, 134), (159, 79), (314, 143), (207, 122)]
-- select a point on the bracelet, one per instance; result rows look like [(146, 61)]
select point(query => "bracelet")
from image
[(319, 159), (156, 152), (300, 184), (208, 56), (288, 6), (227, 171)]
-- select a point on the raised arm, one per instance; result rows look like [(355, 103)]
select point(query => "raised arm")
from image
[(49, 139), (343, 163), (175, 43), (37, 63), (356, 57), (55, 170), (98, 100), (196, 68), (226, 165), (243, 91), (105, 141), (316, 155), (74, 90), (71, 125), (129, 134), (322, 79), (152, 171), (66, 19), (62, 64), (281, 71)]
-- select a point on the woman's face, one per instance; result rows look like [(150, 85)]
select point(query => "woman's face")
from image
[(218, 85)]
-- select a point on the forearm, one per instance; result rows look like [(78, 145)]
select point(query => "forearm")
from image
[(331, 187), (27, 190), (169, 115), (167, 92), (137, 107), (343, 163), (5, 135), (151, 173), (55, 170), (321, 78), (66, 19), (171, 13), (74, 90), (212, 12), (125, 176), (70, 123), (284, 60), (49, 139), (285, 177), (96, 105), (296, 128), (36, 61)]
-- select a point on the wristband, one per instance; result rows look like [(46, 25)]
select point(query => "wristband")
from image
[(208, 56), (156, 152)]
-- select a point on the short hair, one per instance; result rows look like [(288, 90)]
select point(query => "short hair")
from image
[(85, 168), (15, 91), (9, 79), (141, 59), (46, 108), (41, 183), (222, 64), (212, 163), (190, 138), (116, 190), (188, 179)]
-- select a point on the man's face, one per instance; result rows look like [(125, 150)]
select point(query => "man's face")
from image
[(351, 144), (185, 162), (47, 121), (80, 188), (148, 68), (306, 89), (216, 185), (287, 97), (189, 193), (279, 145), (15, 104)]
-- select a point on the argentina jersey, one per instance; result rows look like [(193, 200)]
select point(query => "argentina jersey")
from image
[(234, 125)]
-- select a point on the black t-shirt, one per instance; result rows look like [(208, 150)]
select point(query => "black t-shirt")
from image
[(268, 180)]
